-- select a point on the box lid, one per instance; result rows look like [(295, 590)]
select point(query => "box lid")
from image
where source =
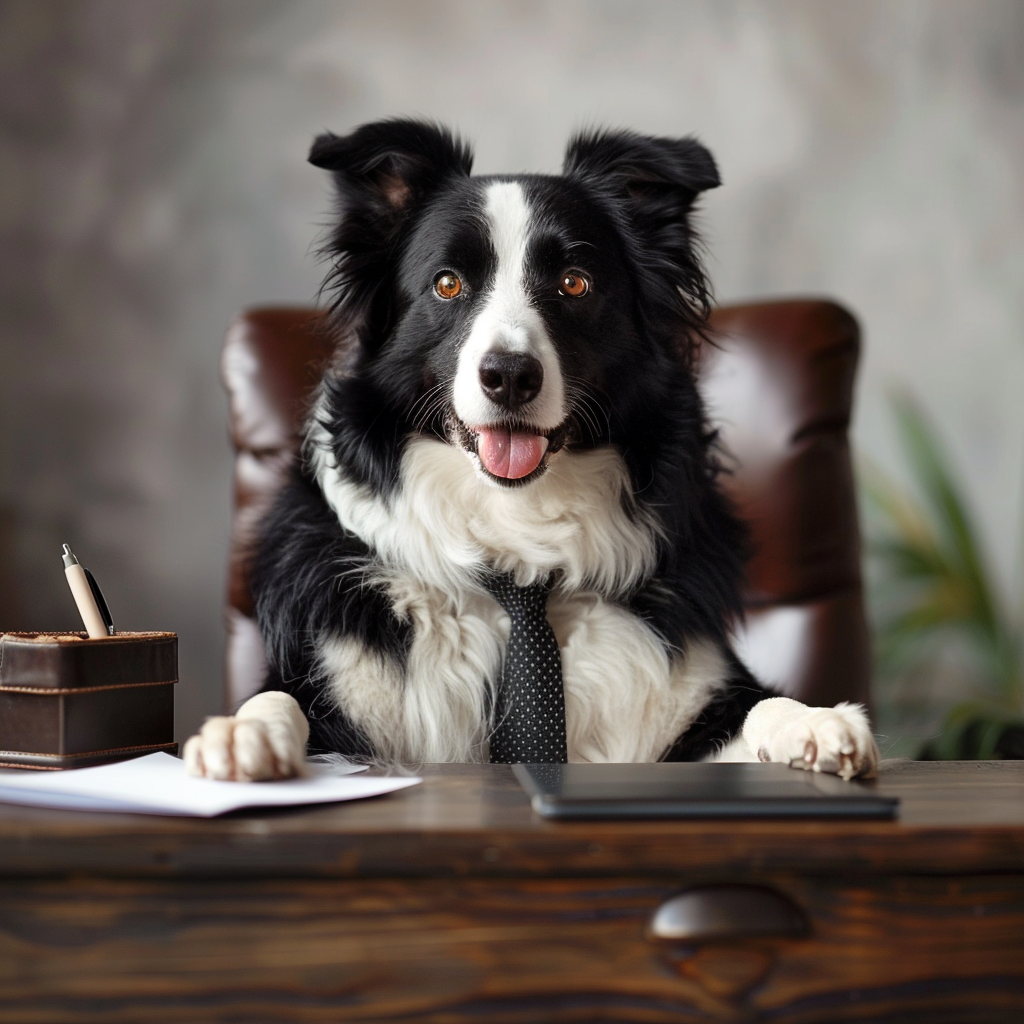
[(63, 661)]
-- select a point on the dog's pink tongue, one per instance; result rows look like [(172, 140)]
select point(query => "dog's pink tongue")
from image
[(510, 454)]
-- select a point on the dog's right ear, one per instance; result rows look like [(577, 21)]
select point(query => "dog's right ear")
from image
[(387, 167)]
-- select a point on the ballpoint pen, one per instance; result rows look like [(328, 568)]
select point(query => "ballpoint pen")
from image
[(88, 596)]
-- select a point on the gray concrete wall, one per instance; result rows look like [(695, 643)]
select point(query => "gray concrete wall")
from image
[(153, 180)]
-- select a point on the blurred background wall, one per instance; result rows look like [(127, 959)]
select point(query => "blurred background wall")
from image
[(153, 181)]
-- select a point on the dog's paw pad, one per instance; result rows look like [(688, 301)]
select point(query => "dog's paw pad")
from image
[(835, 740)]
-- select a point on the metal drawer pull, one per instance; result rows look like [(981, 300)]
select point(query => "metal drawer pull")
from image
[(726, 912)]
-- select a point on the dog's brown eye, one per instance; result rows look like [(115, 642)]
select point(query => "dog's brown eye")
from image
[(448, 286), (574, 284)]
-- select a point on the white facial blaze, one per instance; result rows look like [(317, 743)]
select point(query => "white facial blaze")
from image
[(508, 322)]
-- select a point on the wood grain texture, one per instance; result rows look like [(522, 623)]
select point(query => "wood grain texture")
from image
[(453, 902), (571, 950), (474, 820)]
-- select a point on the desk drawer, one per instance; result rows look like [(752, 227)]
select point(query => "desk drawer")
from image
[(503, 951)]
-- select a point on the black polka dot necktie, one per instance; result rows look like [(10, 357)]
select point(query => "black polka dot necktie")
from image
[(529, 713)]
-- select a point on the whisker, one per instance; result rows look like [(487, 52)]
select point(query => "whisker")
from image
[(430, 401), (587, 408), (431, 413)]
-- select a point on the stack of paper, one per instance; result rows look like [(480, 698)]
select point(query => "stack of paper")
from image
[(157, 784)]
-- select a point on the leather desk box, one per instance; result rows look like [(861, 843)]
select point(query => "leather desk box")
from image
[(67, 701)]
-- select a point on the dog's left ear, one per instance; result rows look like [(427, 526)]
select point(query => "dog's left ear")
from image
[(385, 167), (654, 182), (659, 177)]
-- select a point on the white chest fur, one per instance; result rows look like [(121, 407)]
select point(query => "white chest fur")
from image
[(625, 699), (445, 523)]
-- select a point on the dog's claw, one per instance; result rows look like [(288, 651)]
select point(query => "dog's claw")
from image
[(836, 740)]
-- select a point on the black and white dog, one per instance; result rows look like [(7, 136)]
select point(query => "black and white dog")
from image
[(513, 393)]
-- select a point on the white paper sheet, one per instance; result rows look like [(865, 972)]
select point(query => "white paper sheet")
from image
[(157, 784)]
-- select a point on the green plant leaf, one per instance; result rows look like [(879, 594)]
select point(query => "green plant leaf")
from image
[(931, 585), (948, 513)]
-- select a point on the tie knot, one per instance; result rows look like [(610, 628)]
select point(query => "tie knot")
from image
[(518, 601)]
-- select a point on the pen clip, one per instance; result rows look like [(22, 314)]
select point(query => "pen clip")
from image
[(100, 602)]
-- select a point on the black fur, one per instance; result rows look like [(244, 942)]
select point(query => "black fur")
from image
[(722, 718), (407, 207), (306, 580)]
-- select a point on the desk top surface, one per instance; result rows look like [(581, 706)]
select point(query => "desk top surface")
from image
[(475, 821)]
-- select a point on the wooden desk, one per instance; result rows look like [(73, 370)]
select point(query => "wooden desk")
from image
[(452, 902)]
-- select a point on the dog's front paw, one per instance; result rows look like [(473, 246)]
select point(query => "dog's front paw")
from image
[(836, 740), (265, 739)]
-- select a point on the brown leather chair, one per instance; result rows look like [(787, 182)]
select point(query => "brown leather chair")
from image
[(779, 385)]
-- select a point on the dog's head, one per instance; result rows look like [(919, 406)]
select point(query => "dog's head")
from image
[(514, 315)]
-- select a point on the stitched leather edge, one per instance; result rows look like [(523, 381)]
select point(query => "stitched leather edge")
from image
[(52, 691), (84, 753)]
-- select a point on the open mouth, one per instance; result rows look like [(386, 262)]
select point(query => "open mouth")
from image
[(509, 453)]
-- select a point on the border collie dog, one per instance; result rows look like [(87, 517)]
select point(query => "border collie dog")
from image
[(513, 394)]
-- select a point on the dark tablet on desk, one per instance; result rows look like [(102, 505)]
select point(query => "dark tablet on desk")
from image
[(696, 790)]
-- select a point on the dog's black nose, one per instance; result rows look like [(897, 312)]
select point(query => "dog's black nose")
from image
[(510, 378)]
